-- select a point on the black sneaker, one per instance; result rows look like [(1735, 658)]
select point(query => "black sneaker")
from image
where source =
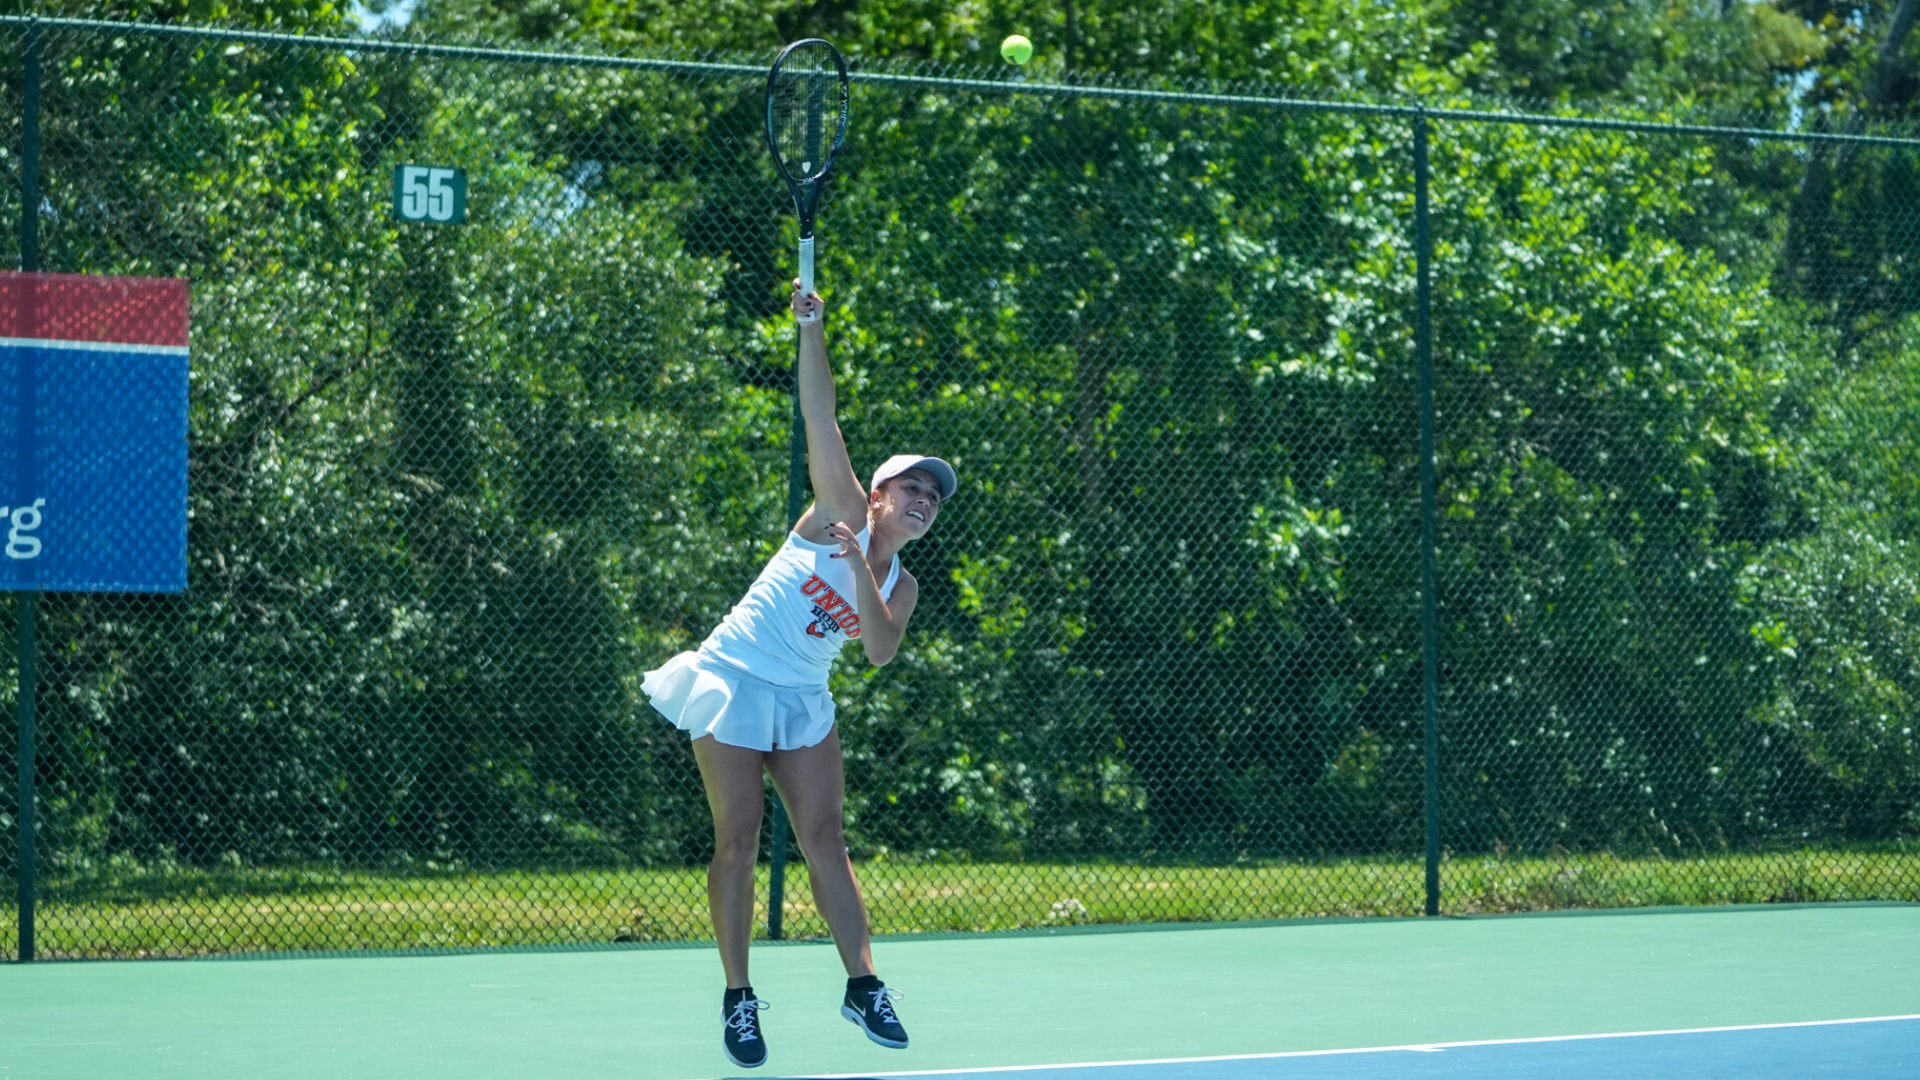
[(740, 1012), (870, 1004)]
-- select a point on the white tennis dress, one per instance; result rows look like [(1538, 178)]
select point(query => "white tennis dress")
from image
[(760, 679)]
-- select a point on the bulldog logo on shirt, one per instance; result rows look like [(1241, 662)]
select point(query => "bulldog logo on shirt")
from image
[(831, 611)]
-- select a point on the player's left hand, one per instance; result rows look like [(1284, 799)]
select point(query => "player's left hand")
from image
[(848, 540)]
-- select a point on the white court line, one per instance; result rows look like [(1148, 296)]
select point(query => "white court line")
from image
[(1420, 1047)]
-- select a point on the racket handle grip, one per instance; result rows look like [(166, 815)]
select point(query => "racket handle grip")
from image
[(806, 273)]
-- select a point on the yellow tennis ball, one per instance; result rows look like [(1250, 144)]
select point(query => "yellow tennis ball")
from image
[(1016, 50)]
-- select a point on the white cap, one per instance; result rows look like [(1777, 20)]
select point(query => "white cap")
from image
[(942, 472)]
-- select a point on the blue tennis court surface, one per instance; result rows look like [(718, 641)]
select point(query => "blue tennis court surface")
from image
[(1866, 1049)]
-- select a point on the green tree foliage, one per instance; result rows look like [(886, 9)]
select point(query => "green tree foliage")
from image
[(429, 477), (1723, 55), (454, 489), (1612, 466), (292, 16), (1120, 323)]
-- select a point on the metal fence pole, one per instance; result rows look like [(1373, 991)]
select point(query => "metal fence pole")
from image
[(796, 505), (1429, 573), (25, 604), (30, 148)]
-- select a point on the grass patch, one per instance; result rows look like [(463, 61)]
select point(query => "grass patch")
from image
[(133, 912)]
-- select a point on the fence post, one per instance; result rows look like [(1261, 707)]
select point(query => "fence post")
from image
[(1429, 573), (24, 605), (796, 505), (30, 147), (26, 602)]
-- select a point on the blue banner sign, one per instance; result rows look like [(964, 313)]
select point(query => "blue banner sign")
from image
[(93, 433)]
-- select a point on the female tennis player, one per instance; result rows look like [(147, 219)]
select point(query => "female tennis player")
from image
[(754, 697)]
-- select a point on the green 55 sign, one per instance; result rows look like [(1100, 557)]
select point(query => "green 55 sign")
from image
[(430, 193)]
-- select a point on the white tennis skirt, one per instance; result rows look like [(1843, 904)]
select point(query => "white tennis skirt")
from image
[(709, 697)]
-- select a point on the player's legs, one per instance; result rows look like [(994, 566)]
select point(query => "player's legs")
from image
[(812, 783), (736, 796)]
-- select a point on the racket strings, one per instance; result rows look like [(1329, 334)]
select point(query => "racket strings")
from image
[(807, 111)]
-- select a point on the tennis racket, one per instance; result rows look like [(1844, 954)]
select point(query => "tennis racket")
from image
[(806, 123)]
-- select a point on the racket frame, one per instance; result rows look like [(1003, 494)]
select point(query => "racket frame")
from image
[(806, 188)]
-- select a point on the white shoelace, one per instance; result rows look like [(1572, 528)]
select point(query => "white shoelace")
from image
[(745, 1020), (883, 1003)]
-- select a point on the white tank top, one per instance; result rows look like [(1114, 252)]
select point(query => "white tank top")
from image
[(796, 615)]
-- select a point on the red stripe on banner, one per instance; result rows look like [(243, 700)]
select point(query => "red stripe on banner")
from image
[(88, 307)]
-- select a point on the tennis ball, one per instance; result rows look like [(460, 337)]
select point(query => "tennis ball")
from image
[(1016, 50)]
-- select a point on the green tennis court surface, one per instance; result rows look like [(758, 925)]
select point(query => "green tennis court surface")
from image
[(1139, 995)]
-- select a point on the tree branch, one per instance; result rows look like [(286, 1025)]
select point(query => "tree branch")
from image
[(1889, 68)]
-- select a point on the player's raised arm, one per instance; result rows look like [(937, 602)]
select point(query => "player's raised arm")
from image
[(837, 493)]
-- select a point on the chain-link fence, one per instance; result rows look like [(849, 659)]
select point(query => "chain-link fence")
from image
[(453, 488)]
